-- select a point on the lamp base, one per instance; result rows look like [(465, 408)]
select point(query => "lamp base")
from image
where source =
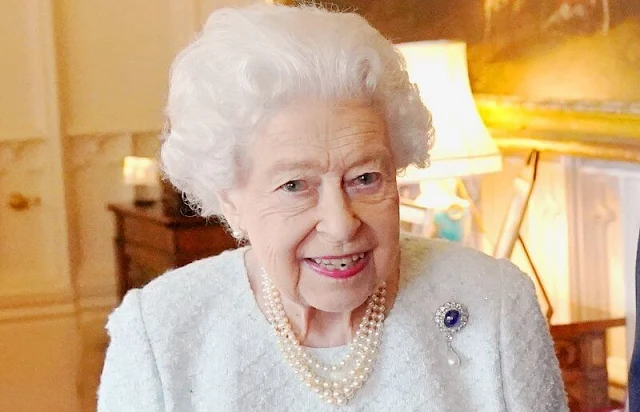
[(143, 196)]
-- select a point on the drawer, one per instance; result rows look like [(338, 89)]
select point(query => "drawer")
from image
[(152, 259), (204, 241), (147, 233)]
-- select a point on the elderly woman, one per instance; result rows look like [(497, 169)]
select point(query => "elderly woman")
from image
[(291, 125)]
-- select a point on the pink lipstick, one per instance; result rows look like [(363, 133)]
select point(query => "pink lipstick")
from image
[(339, 267)]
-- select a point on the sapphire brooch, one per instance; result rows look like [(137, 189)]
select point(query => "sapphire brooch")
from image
[(451, 318)]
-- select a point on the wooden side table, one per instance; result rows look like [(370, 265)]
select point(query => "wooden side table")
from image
[(149, 242), (582, 351)]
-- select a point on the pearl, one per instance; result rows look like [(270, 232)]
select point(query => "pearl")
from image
[(452, 359), (338, 388)]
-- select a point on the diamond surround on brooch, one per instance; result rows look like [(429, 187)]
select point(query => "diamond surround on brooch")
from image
[(451, 318), (335, 384)]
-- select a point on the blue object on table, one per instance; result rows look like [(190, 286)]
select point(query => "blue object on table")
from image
[(447, 227)]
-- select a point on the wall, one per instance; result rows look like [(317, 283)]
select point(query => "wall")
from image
[(83, 84)]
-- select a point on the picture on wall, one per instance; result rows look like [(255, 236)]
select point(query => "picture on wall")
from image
[(533, 49)]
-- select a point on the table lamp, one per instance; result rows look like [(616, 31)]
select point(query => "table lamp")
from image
[(463, 146), (142, 174)]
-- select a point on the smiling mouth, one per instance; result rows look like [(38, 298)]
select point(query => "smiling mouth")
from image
[(342, 264)]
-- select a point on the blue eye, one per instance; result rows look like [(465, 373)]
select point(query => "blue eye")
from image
[(294, 186), (367, 179)]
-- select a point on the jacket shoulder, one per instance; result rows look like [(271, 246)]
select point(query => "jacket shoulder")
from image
[(449, 267), (180, 297)]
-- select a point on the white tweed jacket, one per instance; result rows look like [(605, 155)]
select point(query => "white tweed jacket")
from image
[(195, 340)]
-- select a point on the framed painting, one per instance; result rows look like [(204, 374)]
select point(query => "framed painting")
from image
[(548, 75)]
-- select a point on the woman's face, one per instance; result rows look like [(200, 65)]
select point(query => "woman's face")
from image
[(319, 203)]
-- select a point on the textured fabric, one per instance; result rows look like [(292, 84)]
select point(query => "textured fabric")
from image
[(195, 340)]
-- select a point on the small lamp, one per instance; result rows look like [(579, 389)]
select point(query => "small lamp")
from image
[(142, 174), (463, 146)]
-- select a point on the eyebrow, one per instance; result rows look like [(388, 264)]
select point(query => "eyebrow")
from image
[(287, 165), (379, 156)]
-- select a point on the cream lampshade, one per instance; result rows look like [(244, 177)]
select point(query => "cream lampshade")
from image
[(463, 145), (142, 174)]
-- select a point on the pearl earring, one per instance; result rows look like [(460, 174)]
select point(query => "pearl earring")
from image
[(237, 234)]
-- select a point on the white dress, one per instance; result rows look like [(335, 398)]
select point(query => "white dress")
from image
[(195, 340)]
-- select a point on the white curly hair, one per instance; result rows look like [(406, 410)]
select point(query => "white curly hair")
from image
[(248, 62)]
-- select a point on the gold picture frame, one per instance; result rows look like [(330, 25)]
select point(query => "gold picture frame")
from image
[(602, 125)]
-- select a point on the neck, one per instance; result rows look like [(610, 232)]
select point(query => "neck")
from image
[(321, 329), (314, 327)]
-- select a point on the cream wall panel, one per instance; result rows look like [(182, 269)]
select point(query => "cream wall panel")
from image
[(607, 218), (24, 71), (595, 227), (115, 58), (40, 364), (206, 7), (147, 144), (544, 228), (545, 232), (96, 177), (32, 249)]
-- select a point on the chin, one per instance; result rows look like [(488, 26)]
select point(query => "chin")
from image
[(329, 295), (338, 304)]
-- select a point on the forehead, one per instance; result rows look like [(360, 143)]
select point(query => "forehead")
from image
[(351, 128)]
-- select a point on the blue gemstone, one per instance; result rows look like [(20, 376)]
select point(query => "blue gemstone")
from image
[(451, 318)]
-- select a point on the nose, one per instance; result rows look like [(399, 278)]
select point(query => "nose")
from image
[(337, 220)]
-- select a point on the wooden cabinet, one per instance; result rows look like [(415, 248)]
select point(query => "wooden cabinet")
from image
[(582, 351), (149, 242)]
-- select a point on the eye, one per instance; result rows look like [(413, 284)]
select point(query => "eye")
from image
[(294, 186), (366, 179)]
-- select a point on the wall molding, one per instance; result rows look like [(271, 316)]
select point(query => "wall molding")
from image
[(97, 150), (23, 156), (32, 307), (595, 217)]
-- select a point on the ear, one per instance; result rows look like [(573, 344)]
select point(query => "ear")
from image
[(230, 207)]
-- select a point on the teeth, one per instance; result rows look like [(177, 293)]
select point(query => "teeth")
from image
[(341, 264)]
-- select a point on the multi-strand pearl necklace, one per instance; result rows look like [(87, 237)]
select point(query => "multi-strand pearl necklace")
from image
[(335, 384)]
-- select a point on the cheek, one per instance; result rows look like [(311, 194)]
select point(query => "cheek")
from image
[(276, 239), (381, 217)]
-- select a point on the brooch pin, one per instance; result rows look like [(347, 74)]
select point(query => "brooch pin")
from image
[(451, 318)]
